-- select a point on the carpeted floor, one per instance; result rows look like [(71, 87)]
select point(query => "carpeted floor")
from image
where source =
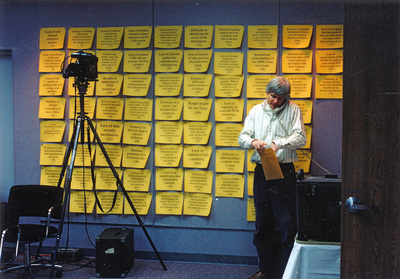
[(145, 269)]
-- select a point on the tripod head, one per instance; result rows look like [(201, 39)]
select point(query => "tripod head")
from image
[(83, 67)]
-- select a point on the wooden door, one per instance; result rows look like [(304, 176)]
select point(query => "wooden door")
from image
[(371, 141)]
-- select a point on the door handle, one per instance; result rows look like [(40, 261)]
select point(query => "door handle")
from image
[(354, 205)]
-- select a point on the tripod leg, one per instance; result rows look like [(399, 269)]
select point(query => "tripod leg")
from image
[(72, 151), (67, 155), (121, 186)]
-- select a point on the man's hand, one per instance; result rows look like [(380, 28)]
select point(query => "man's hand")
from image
[(260, 145)]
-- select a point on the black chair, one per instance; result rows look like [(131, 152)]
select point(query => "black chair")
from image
[(28, 215)]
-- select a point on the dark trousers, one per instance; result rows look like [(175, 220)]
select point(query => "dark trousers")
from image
[(276, 219)]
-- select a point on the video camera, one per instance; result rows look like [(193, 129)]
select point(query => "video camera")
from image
[(84, 69)]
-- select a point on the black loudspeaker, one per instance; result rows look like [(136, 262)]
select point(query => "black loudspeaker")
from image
[(318, 209), (114, 252)]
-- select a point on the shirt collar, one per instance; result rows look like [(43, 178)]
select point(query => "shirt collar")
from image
[(277, 110)]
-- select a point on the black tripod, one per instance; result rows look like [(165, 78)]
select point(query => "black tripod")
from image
[(71, 151)]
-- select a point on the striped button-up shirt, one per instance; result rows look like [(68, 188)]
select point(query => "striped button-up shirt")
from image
[(284, 126)]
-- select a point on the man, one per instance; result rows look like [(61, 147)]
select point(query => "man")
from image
[(276, 122)]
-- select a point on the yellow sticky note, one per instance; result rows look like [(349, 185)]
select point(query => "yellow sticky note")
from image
[(196, 132), (137, 180), (329, 36), (109, 84), (167, 36), (198, 181), (198, 36), (51, 84), (106, 202), (114, 152), (300, 85), (83, 157), (329, 61), (50, 176), (228, 86), (197, 61), (251, 210), (229, 185), (137, 36), (136, 133), (141, 202), (51, 107), (229, 110), (109, 37), (138, 109), (167, 155), (229, 161), (109, 108), (228, 63), (169, 179), (197, 204), (304, 160), (169, 132), (84, 127), (329, 87), (196, 156), (80, 37), (137, 61), (262, 61), (109, 60), (197, 85), (135, 157), (168, 84), (168, 60), (110, 131), (250, 183), (169, 203), (256, 86), (81, 179), (297, 61), (196, 109), (82, 202), (52, 131), (105, 179), (52, 38), (50, 61), (168, 108), (262, 36), (306, 109), (297, 36), (75, 106), (136, 85), (308, 129), (226, 134), (228, 36), (250, 166), (52, 154)]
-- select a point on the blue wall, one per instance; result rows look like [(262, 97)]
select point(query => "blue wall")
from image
[(226, 233), (6, 123)]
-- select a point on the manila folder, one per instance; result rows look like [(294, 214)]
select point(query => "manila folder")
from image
[(270, 164)]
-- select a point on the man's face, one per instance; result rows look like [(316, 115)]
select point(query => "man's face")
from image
[(274, 100)]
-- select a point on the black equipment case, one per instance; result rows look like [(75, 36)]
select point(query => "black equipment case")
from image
[(318, 209), (114, 252)]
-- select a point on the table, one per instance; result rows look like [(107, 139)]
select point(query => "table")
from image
[(310, 260)]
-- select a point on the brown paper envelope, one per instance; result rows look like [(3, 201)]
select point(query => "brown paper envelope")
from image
[(270, 164)]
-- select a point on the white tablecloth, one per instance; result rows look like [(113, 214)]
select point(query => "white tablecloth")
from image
[(310, 260)]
